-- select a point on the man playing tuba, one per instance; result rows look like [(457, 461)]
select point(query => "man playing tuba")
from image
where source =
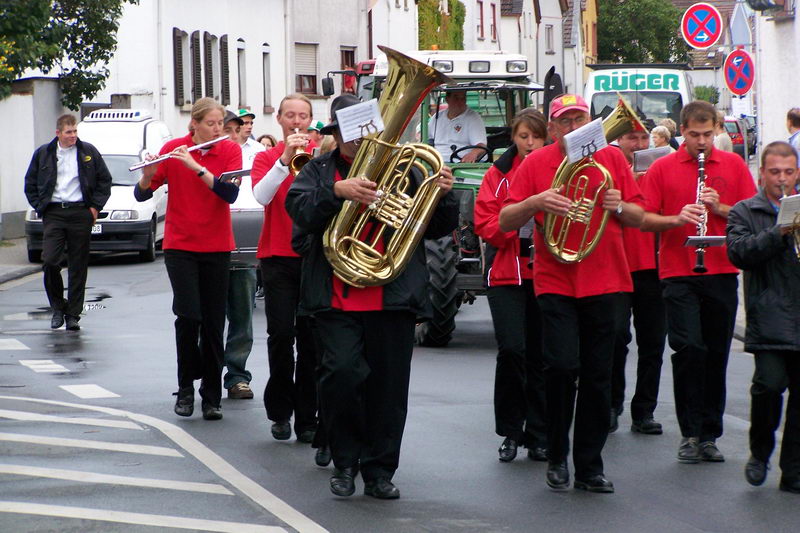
[(579, 301)]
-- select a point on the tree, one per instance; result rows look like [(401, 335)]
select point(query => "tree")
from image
[(446, 32), (75, 37), (644, 31), (708, 93)]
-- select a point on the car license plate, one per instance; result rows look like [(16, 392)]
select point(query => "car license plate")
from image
[(97, 228)]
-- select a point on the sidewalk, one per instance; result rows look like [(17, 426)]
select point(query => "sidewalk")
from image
[(14, 260)]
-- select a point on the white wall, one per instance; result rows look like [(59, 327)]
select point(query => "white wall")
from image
[(472, 40), (394, 24)]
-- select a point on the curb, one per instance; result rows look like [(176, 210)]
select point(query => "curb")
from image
[(14, 273)]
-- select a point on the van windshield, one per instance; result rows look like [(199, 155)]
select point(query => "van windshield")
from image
[(648, 104), (118, 167)]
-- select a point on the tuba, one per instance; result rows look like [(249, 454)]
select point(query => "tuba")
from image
[(357, 260), (576, 226)]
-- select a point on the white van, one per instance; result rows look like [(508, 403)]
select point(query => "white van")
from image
[(123, 137), (655, 91)]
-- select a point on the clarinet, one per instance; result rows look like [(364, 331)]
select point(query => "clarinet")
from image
[(700, 251)]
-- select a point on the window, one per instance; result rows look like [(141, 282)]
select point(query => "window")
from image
[(181, 66), (305, 68), (493, 29), (348, 62), (548, 39), (211, 57), (480, 19), (265, 65), (240, 59), (197, 72), (225, 72)]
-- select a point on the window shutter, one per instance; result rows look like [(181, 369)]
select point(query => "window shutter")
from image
[(223, 62), (197, 77), (177, 65), (305, 59), (207, 65)]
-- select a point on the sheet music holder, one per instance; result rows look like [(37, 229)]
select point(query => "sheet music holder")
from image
[(228, 176), (704, 242), (790, 208), (642, 159)]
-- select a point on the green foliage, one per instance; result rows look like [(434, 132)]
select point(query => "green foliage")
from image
[(644, 31), (77, 37), (708, 93), (435, 28)]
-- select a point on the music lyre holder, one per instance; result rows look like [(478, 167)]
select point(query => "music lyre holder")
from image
[(704, 242)]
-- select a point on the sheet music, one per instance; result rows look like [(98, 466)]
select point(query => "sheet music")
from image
[(790, 206), (359, 120), (644, 158), (585, 141)]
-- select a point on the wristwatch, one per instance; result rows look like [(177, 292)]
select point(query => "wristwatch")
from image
[(619, 209), (202, 171)]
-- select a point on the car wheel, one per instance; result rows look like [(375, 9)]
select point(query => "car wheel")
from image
[(34, 256), (149, 255)]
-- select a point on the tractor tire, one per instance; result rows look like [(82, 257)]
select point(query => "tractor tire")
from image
[(442, 259)]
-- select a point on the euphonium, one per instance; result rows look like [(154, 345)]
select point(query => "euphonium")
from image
[(795, 225), (299, 159), (359, 262), (573, 177)]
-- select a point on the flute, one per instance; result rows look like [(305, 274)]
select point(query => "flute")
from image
[(159, 159), (700, 251)]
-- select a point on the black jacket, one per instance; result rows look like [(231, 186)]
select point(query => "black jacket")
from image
[(312, 204), (40, 180), (771, 275)]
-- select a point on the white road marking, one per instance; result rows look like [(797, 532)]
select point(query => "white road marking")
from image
[(93, 477), (214, 462), (43, 365), (36, 417), (91, 444), (12, 344), (89, 391), (83, 513), (17, 316)]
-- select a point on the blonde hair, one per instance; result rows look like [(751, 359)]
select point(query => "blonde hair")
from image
[(297, 96), (670, 125), (202, 107), (662, 132), (65, 120)]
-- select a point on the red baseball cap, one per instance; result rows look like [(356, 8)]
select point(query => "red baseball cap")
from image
[(567, 102)]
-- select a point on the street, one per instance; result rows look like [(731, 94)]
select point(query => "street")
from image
[(75, 459)]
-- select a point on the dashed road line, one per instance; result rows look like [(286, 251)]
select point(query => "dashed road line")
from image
[(12, 344), (43, 365), (36, 417), (130, 481), (89, 391), (91, 444), (104, 515)]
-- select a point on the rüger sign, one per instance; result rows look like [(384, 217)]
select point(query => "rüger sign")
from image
[(635, 81)]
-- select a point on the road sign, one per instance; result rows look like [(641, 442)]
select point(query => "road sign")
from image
[(701, 25), (739, 72)]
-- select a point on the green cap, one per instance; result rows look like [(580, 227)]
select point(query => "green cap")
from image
[(318, 125), (246, 113)]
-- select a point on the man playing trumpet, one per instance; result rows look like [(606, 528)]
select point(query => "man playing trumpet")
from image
[(582, 298)]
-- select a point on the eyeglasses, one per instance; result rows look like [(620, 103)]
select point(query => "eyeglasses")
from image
[(566, 122)]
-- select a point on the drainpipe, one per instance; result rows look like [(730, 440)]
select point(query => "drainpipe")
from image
[(160, 60)]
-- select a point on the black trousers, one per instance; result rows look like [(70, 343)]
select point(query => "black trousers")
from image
[(650, 322), (366, 366), (578, 345), (519, 397), (69, 228), (291, 388), (199, 293), (701, 312), (775, 372)]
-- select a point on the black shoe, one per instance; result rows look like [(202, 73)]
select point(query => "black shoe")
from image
[(343, 481), (58, 320), (614, 421), (689, 451), (211, 413), (281, 430), (647, 426), (184, 405), (508, 450), (72, 323), (381, 488), (596, 483), (790, 485), (558, 476), (709, 452), (306, 437), (537, 453), (755, 471), (323, 456)]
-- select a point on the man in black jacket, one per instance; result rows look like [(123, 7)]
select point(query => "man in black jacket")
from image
[(67, 183), (768, 256), (367, 334)]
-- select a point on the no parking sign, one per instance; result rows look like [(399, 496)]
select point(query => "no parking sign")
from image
[(701, 26), (739, 72)]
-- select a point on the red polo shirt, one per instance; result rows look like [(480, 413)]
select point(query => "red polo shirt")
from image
[(276, 231), (197, 219), (605, 270), (671, 183)]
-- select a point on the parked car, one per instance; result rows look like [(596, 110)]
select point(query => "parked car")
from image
[(737, 129), (123, 137), (752, 132)]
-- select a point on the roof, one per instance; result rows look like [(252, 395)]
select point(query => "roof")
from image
[(511, 7), (567, 26)]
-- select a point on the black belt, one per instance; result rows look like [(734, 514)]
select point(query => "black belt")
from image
[(65, 205)]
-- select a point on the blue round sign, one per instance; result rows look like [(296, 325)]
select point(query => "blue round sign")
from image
[(701, 26), (739, 72)]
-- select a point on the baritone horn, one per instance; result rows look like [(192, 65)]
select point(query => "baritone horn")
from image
[(569, 238), (371, 247)]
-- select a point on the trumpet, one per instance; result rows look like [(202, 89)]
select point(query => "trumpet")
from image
[(795, 231), (700, 251), (159, 159), (299, 159)]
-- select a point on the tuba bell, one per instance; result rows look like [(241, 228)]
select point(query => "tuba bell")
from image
[(569, 238), (356, 259)]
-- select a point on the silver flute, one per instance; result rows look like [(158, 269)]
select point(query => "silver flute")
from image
[(159, 159)]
